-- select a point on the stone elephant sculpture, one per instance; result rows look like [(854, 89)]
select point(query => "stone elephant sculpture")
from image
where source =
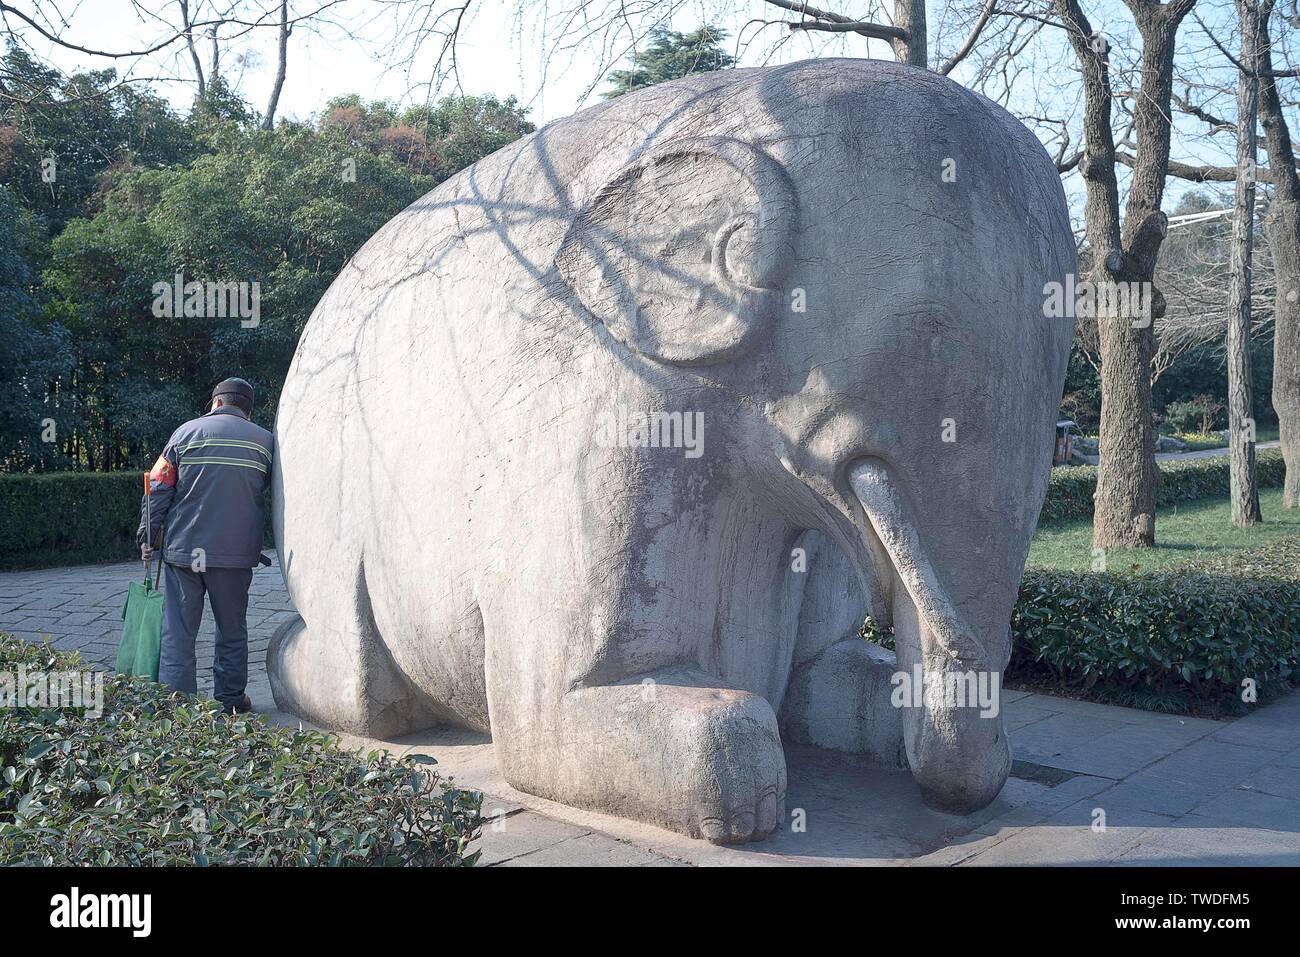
[(608, 443)]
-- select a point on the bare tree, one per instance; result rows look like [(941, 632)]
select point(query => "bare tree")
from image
[(187, 29), (282, 63), (1283, 226), (1126, 252), (178, 26), (1244, 487), (1194, 275)]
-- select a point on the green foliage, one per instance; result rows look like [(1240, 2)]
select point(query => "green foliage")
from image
[(1070, 488), (1082, 399), (212, 198), (30, 348), (671, 55), (65, 518), (439, 140), (270, 207), (1202, 412), (1184, 639), (1200, 441), (90, 124), (1209, 477), (163, 779), (73, 518)]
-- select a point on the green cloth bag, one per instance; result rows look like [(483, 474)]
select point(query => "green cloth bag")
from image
[(141, 644)]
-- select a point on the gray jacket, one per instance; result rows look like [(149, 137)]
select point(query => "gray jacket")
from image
[(207, 490)]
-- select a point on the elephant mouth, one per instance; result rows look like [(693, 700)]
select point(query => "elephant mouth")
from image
[(955, 744)]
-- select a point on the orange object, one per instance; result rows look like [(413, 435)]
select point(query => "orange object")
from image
[(164, 473), (146, 483)]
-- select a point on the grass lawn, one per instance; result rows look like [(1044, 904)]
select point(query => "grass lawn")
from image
[(1191, 530)]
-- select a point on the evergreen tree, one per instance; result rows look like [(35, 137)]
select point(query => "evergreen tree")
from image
[(672, 55)]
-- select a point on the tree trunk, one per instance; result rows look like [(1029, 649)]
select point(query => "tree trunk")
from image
[(1124, 512), (1283, 225), (189, 42), (909, 15), (268, 122), (1241, 432)]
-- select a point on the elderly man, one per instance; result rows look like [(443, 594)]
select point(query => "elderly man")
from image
[(206, 492)]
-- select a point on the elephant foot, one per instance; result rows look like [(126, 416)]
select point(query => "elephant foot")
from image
[(343, 681), (664, 749), (840, 700)]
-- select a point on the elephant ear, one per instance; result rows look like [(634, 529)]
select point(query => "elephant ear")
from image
[(682, 255)]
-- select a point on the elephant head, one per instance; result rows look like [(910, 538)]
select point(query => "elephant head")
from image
[(876, 286)]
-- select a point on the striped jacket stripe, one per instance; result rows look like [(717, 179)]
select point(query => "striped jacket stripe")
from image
[(218, 460), (235, 443)]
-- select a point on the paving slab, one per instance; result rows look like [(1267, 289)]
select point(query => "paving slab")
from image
[(1017, 715), (1291, 759), (1184, 844), (1276, 727), (1068, 838), (1246, 809), (1052, 737), (1127, 749), (1282, 780)]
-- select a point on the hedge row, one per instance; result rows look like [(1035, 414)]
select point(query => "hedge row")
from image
[(1071, 488), (160, 779), (64, 518), (70, 518), (1182, 639)]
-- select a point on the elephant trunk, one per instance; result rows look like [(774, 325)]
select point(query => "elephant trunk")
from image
[(949, 678)]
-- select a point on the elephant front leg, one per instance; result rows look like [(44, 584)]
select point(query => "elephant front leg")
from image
[(841, 700), (666, 748)]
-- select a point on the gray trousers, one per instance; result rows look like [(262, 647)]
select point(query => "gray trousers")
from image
[(183, 590)]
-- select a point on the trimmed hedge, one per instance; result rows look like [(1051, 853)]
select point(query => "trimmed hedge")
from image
[(1071, 488), (161, 779), (71, 518), (66, 518), (1182, 639)]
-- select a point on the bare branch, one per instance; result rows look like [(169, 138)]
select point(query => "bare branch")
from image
[(964, 50), (836, 23)]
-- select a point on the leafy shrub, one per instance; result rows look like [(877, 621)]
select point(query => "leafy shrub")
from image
[(1069, 493), (1201, 413), (1071, 488), (1180, 640), (1200, 441), (162, 779), (1184, 639)]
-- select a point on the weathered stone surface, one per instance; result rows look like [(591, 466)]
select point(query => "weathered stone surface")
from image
[(825, 282)]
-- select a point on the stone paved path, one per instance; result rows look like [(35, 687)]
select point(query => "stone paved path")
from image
[(1210, 453), (1169, 790), (1202, 454)]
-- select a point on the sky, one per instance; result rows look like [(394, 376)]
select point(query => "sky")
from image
[(511, 50), (501, 51)]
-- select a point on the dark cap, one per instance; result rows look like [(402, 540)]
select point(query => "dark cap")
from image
[(233, 387)]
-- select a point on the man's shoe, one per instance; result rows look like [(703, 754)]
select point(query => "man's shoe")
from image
[(242, 707)]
